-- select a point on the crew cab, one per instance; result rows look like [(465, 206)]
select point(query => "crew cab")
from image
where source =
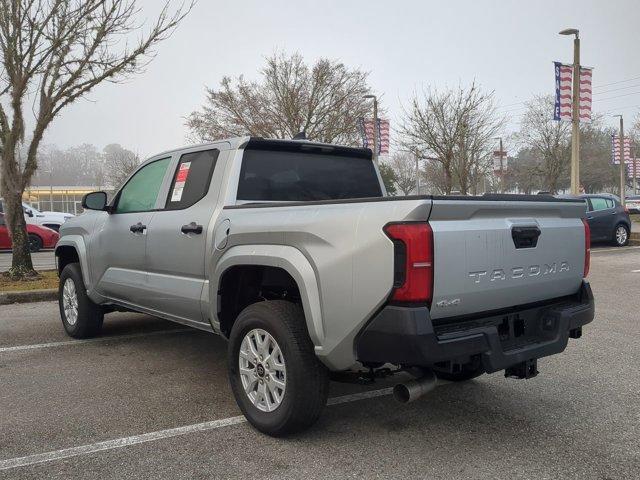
[(293, 252)]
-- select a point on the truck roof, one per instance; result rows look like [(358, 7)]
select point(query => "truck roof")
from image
[(259, 142)]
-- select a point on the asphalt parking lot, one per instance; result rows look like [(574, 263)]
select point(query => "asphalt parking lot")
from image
[(151, 399)]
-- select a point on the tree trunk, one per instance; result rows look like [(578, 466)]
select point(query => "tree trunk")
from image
[(21, 264)]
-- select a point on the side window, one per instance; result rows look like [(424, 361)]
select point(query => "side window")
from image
[(141, 191), (191, 180), (2, 220), (610, 203), (598, 203)]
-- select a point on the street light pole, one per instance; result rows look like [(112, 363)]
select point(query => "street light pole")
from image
[(376, 140), (622, 167), (501, 153), (575, 110)]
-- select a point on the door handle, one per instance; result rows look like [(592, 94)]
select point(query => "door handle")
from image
[(191, 228), (138, 228)]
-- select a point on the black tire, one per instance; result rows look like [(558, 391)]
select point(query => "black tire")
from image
[(307, 380), (35, 243), (469, 371), (617, 239), (90, 316)]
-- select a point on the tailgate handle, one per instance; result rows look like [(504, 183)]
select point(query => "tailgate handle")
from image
[(525, 237)]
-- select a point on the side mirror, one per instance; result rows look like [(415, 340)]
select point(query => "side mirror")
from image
[(28, 212), (95, 201)]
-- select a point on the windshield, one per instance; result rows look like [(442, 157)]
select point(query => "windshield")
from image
[(271, 175)]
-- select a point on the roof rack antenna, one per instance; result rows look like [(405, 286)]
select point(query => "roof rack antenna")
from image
[(300, 136)]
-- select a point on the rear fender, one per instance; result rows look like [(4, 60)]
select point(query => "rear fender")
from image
[(289, 259)]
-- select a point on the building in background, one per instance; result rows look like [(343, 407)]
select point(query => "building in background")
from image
[(67, 199)]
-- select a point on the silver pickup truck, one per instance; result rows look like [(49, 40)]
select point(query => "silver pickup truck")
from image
[(293, 252)]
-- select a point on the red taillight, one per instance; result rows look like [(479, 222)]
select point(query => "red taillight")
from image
[(414, 274), (587, 248)]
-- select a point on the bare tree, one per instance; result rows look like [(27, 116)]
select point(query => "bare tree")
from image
[(324, 100), (119, 163), (548, 140), (404, 167), (54, 52), (453, 127)]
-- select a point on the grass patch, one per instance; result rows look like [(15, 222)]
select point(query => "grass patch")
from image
[(46, 279)]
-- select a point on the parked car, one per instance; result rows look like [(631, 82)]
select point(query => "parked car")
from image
[(633, 203), (39, 237), (292, 251), (51, 220), (608, 220)]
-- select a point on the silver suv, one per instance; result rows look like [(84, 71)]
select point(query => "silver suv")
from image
[(293, 252)]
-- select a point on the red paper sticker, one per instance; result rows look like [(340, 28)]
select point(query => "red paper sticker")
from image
[(183, 173)]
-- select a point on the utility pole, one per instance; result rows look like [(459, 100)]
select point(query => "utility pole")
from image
[(622, 166), (575, 110), (376, 140), (501, 155), (633, 168)]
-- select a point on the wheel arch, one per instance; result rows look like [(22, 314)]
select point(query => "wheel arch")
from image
[(70, 249), (284, 258)]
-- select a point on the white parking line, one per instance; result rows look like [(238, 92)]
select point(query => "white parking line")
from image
[(36, 346), (615, 249), (159, 435)]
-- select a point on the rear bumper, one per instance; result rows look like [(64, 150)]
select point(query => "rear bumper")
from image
[(408, 336)]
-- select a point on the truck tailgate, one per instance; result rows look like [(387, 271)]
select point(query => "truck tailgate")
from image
[(486, 256)]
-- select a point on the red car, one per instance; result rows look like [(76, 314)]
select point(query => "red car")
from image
[(39, 237)]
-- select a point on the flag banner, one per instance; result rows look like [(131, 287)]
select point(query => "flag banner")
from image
[(630, 165), (585, 94), (366, 131), (615, 149), (498, 165), (563, 110), (564, 79)]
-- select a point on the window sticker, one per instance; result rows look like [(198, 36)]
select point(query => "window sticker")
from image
[(181, 179)]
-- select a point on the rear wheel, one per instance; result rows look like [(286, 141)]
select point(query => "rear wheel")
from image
[(621, 235), (278, 382), (81, 317), (35, 243)]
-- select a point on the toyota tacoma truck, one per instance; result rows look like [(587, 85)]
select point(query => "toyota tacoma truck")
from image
[(293, 252)]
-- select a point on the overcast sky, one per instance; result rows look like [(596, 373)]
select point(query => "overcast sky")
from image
[(507, 46)]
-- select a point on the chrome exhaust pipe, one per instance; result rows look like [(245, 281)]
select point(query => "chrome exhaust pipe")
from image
[(414, 389)]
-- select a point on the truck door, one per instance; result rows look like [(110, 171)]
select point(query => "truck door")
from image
[(117, 250), (179, 233), (601, 217)]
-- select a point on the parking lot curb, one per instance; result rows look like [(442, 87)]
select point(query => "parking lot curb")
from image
[(28, 296)]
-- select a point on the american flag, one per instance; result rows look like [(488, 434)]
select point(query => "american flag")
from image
[(615, 149), (366, 126), (564, 93)]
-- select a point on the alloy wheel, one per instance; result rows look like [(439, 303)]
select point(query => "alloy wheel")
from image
[(262, 370), (70, 301)]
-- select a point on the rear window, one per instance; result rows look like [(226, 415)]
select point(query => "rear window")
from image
[(290, 176)]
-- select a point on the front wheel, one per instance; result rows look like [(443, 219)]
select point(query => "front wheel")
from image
[(278, 382), (81, 317), (35, 243), (621, 235)]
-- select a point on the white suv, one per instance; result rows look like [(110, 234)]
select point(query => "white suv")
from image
[(52, 220)]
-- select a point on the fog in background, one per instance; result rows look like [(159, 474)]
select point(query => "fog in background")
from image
[(506, 46)]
